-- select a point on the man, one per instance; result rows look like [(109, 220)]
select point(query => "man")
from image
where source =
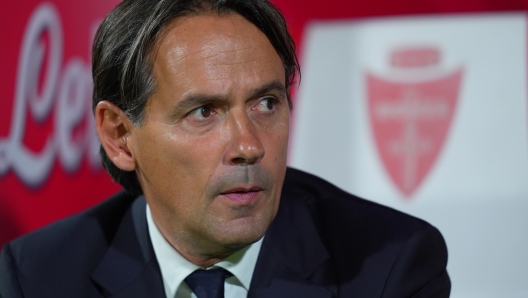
[(192, 109)]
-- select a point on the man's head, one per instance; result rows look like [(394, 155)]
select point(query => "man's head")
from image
[(192, 109), (122, 54)]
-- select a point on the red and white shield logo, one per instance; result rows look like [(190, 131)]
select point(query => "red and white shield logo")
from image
[(411, 115)]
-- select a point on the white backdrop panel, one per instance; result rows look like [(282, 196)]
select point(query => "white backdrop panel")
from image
[(475, 189)]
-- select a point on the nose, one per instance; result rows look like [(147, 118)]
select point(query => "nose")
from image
[(244, 146)]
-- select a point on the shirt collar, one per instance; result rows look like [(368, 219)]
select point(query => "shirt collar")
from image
[(175, 268), (242, 263)]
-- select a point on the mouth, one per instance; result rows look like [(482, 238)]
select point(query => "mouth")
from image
[(242, 196)]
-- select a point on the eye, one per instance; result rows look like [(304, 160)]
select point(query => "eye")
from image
[(266, 104), (202, 112)]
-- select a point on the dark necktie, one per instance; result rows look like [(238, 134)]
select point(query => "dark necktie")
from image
[(208, 283)]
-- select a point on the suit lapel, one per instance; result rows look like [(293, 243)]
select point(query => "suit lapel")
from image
[(130, 268), (293, 261)]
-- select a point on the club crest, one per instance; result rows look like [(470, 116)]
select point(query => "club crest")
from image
[(411, 109)]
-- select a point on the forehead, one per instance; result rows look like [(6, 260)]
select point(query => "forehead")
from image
[(201, 32), (214, 46)]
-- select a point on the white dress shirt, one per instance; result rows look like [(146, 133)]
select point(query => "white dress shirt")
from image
[(175, 268)]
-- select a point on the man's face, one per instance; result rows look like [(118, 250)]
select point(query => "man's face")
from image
[(211, 152)]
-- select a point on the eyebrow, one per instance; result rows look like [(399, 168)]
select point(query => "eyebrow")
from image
[(275, 86), (196, 100)]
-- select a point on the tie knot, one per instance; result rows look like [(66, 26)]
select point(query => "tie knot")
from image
[(208, 283)]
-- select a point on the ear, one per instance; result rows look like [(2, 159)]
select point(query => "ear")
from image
[(113, 128)]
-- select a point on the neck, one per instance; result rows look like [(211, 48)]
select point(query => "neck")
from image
[(203, 261), (196, 251)]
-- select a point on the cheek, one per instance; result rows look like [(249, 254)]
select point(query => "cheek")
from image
[(191, 162), (201, 154), (161, 159), (177, 172)]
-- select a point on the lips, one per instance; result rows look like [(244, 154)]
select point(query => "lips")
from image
[(242, 195)]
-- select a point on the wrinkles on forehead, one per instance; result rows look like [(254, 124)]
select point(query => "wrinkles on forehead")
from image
[(209, 46), (215, 51), (194, 35)]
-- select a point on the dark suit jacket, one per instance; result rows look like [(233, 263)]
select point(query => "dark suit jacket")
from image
[(323, 243)]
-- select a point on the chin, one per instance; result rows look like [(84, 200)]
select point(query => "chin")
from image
[(243, 232)]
